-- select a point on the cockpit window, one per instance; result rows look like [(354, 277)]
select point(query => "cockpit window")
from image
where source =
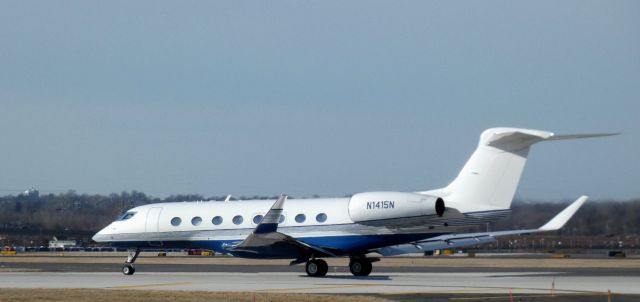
[(126, 216)]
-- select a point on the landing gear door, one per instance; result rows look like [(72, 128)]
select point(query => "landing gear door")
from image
[(153, 220)]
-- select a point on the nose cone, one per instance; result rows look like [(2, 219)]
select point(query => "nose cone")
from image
[(97, 236), (101, 236)]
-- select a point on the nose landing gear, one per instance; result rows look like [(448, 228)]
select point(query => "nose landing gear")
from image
[(128, 268)]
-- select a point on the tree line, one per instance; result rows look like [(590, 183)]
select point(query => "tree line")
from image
[(595, 218), (80, 212)]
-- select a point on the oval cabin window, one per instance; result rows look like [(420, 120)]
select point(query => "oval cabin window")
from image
[(322, 217), (196, 221), (257, 219), (300, 218), (216, 220), (176, 221), (237, 220)]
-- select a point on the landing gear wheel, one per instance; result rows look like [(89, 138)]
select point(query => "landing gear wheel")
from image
[(360, 267), (128, 269), (317, 268)]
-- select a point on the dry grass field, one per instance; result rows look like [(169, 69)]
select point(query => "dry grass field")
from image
[(106, 295)]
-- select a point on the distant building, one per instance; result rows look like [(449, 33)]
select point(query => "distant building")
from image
[(31, 193), (55, 243)]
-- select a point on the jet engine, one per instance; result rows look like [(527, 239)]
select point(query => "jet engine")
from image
[(391, 205)]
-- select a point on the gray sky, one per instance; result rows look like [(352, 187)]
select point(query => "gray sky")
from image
[(313, 97)]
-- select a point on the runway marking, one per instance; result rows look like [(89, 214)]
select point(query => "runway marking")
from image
[(480, 289), (503, 297), (472, 290), (149, 285), (318, 288)]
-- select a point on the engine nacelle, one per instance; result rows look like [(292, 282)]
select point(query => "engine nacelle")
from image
[(389, 205)]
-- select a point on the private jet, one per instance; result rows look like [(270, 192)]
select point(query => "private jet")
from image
[(362, 227)]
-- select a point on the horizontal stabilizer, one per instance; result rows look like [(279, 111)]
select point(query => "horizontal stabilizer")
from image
[(576, 136), (511, 139)]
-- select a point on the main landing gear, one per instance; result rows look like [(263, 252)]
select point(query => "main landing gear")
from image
[(128, 268), (359, 266), (316, 268)]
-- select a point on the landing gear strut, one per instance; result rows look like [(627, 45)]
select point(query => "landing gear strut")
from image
[(316, 268), (128, 268)]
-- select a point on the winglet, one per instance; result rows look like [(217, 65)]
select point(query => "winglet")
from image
[(561, 219), (270, 221), (556, 137)]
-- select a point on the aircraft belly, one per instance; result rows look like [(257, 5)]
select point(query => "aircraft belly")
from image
[(339, 244)]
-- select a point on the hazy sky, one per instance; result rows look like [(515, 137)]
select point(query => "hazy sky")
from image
[(313, 97)]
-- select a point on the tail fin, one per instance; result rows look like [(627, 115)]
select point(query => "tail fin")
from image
[(490, 177)]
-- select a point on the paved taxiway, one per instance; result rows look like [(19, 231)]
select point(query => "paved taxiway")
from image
[(386, 281)]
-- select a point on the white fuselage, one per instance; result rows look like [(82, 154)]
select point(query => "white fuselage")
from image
[(368, 219)]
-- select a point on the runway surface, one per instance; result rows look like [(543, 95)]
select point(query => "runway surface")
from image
[(285, 282), (285, 279)]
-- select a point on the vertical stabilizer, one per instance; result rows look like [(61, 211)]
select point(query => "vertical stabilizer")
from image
[(491, 175)]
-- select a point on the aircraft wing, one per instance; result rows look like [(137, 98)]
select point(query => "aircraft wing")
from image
[(468, 239), (267, 242)]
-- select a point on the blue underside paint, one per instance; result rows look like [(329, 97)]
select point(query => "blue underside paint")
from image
[(340, 245)]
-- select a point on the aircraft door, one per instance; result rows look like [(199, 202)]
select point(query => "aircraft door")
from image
[(153, 220)]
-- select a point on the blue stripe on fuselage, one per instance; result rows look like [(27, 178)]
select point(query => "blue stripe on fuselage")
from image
[(342, 245)]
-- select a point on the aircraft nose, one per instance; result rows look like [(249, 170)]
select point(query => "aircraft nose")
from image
[(96, 237), (100, 235)]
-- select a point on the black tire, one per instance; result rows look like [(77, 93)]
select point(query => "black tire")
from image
[(316, 268), (360, 267), (128, 269), (324, 268)]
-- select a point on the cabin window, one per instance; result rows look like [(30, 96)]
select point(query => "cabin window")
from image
[(216, 220), (322, 217), (281, 219), (257, 219), (176, 221), (196, 220), (237, 219), (126, 215), (300, 218)]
